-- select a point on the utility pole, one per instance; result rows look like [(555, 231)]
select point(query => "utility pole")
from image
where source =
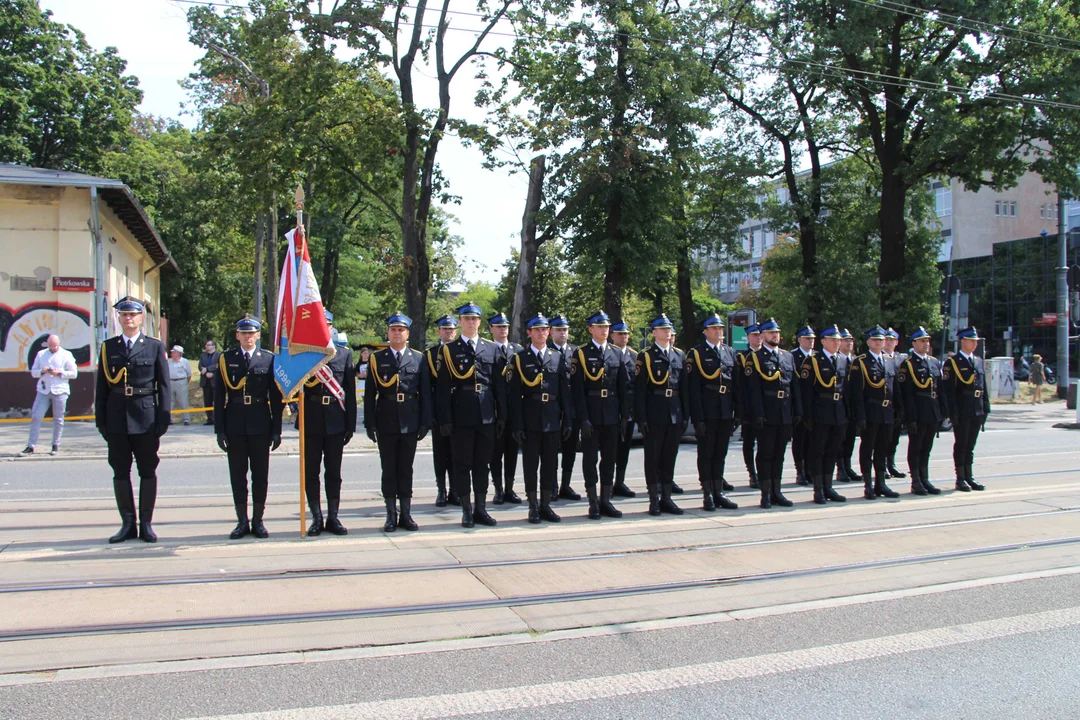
[(1062, 302)]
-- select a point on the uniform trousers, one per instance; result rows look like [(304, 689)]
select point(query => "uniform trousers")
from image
[(798, 446), (569, 451), (143, 448), (661, 450), (249, 451), (920, 443), (712, 451), (441, 458), (847, 449), (622, 459), (471, 455), (540, 459), (396, 453), (874, 447), (894, 439), (749, 437), (824, 446), (965, 435), (208, 401), (603, 443), (504, 456), (772, 441), (319, 449)]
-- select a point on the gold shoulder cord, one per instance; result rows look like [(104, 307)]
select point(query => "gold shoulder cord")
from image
[(313, 381), (450, 365), (225, 375), (585, 367), (959, 375), (431, 363), (705, 375), (817, 374), (866, 377), (915, 379), (648, 370), (395, 381), (121, 374), (524, 381), (757, 366)]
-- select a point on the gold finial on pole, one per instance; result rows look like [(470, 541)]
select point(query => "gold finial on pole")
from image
[(299, 199)]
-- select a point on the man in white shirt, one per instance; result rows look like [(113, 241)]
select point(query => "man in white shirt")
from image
[(53, 368), (179, 376)]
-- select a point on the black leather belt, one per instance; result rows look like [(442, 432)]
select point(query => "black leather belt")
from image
[(598, 393), (722, 389), (130, 391), (975, 393), (925, 393), (249, 399), (667, 392), (779, 394), (475, 387), (830, 396), (542, 397), (402, 397)]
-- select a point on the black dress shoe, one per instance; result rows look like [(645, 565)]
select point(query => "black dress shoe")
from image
[(147, 534), (316, 526), (723, 503), (481, 517), (534, 513), (620, 490), (594, 509), (466, 517), (834, 496), (567, 493), (334, 526), (819, 497), (930, 488), (512, 497), (974, 485), (869, 493), (453, 499), (242, 528), (440, 498), (779, 499), (766, 501), (546, 513), (728, 487), (498, 498), (893, 472), (885, 491), (259, 530), (676, 490), (708, 502), (918, 489), (668, 506)]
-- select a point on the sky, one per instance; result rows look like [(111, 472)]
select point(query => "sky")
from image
[(151, 35)]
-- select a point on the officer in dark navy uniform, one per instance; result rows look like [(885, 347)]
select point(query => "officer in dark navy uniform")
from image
[(472, 411), (397, 414), (919, 378), (662, 409), (132, 411), (844, 471), (799, 433), (560, 333), (711, 373), (505, 455), (620, 338), (872, 393), (600, 381), (823, 384), (329, 424), (749, 432), (892, 340), (247, 419), (775, 407), (541, 415), (440, 446), (964, 382)]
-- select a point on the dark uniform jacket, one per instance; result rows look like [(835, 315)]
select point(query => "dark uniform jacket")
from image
[(897, 360), (872, 390), (742, 383), (538, 395), (772, 387), (247, 400), (397, 395), (132, 387), (600, 381), (629, 356), (964, 383), (711, 376), (920, 389), (823, 384), (323, 414), (661, 395), (471, 391), (800, 356)]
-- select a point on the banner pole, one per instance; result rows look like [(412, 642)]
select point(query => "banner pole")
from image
[(303, 478)]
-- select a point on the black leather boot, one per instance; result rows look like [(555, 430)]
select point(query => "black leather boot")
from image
[(766, 498), (546, 513), (317, 526), (257, 527), (819, 490), (892, 471), (883, 490), (802, 477), (534, 511), (565, 491), (754, 485), (440, 496), (452, 498), (868, 485), (916, 483), (594, 502), (405, 520), (510, 496), (777, 496), (391, 515), (721, 500), (924, 475), (125, 503), (480, 513), (841, 474), (852, 475), (147, 498), (606, 508), (466, 512), (333, 522), (620, 490), (498, 498), (666, 503), (676, 489), (243, 527), (970, 480), (830, 494), (708, 502), (725, 486), (654, 500)]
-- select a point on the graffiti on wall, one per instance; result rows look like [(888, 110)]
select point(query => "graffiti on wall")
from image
[(25, 330)]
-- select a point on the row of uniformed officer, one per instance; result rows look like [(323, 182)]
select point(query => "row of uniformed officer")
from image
[(712, 379), (441, 446), (504, 456)]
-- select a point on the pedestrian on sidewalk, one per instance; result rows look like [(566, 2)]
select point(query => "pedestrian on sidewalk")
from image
[(208, 362), (53, 368), (1037, 378), (179, 377)]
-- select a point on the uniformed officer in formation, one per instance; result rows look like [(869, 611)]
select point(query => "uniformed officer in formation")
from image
[(823, 384), (620, 338), (504, 457), (662, 410), (964, 382), (774, 405), (919, 377), (560, 334), (247, 419), (711, 375), (441, 456), (132, 411), (329, 424), (541, 415), (799, 432), (397, 414), (844, 471), (873, 404), (472, 412), (602, 390), (749, 432), (892, 340)]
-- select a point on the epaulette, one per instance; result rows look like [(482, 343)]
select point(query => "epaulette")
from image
[(950, 354), (860, 357)]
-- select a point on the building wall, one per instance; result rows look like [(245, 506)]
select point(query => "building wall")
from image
[(44, 233), (984, 217)]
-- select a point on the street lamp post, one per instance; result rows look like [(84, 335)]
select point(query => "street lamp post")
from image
[(1062, 302)]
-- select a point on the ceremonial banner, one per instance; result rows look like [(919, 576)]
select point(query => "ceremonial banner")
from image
[(302, 340)]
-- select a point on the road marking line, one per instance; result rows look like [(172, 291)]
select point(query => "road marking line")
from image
[(627, 684)]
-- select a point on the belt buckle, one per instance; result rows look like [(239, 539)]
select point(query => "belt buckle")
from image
[(668, 392), (477, 387), (401, 397), (780, 394), (603, 393), (326, 399), (885, 402), (543, 397), (129, 391), (247, 399), (933, 395), (978, 393), (836, 397), (723, 389)]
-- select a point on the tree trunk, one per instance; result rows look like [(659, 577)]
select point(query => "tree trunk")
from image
[(260, 234), (619, 167), (686, 299), (272, 267), (523, 289), (613, 289), (893, 228)]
